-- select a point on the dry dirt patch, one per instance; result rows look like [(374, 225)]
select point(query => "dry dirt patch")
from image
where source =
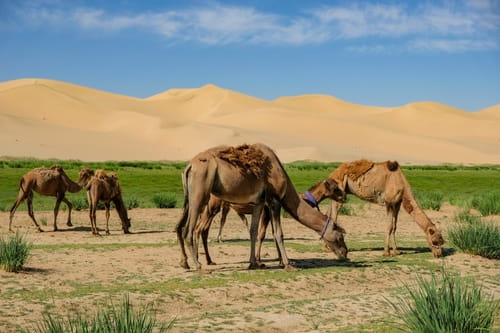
[(73, 270)]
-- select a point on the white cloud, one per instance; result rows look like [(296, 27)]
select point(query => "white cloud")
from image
[(445, 27)]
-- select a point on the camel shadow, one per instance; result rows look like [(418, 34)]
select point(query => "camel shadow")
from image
[(310, 263), (407, 250), (35, 270)]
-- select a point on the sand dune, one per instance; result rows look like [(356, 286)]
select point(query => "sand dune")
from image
[(51, 119)]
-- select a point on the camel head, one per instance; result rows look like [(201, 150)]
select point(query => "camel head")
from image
[(334, 240), (333, 190), (435, 240), (84, 176)]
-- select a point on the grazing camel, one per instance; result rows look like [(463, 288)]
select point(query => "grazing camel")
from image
[(102, 186), (242, 175), (384, 183), (51, 181), (321, 190)]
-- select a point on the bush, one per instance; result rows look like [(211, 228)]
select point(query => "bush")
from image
[(430, 200), (446, 304), (165, 200), (80, 203), (488, 203), (112, 319), (475, 236), (14, 252), (131, 202)]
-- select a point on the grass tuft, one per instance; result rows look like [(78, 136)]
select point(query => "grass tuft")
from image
[(487, 203), (123, 318), (14, 252), (165, 200), (472, 235), (444, 304)]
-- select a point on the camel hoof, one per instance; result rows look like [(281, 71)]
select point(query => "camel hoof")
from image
[(396, 253), (386, 254), (184, 264), (290, 268), (69, 224), (40, 229), (211, 263)]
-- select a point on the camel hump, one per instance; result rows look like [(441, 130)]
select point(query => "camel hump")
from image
[(353, 170), (248, 158), (392, 165)]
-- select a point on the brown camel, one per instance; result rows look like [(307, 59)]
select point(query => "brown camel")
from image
[(321, 190), (242, 175), (384, 183), (51, 181), (102, 186)]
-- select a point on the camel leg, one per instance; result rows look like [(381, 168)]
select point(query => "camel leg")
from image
[(223, 216), (31, 213), (263, 223), (70, 207), (56, 211), (395, 213), (107, 217), (93, 219), (278, 234), (190, 237), (257, 211), (21, 197), (334, 214), (179, 229), (203, 228)]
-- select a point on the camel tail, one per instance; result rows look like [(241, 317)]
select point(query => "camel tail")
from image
[(182, 221)]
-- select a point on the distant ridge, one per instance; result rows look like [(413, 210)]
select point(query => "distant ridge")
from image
[(53, 119)]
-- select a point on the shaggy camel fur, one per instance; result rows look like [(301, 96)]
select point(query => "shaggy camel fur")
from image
[(51, 181), (242, 175), (384, 183), (321, 190), (102, 186)]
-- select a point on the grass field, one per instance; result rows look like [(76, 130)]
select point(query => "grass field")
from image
[(141, 181)]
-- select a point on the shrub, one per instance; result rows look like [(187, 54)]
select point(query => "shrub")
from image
[(488, 203), (430, 200), (165, 200), (346, 209), (446, 304), (80, 203), (112, 319), (14, 252), (131, 202), (475, 236)]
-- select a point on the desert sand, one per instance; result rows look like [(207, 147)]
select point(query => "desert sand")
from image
[(52, 119)]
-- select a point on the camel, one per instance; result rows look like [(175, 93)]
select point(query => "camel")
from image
[(384, 183), (321, 190), (51, 181), (102, 186), (247, 174)]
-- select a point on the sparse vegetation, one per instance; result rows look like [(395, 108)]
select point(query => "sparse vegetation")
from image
[(14, 252), (487, 203), (473, 235), (446, 303), (430, 200), (165, 200), (122, 318)]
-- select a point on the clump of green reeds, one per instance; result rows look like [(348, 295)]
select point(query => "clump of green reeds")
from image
[(487, 203), (446, 303), (165, 200), (14, 252), (471, 234), (122, 318), (430, 200)]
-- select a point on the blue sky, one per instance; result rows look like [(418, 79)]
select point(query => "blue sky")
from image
[(384, 53)]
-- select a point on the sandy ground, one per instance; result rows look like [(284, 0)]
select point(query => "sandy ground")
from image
[(323, 295)]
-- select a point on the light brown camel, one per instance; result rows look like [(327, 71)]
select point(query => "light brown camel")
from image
[(384, 183), (321, 190), (51, 181), (102, 186), (247, 174)]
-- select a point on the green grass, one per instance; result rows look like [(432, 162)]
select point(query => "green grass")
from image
[(14, 251), (121, 318), (472, 235), (446, 303), (487, 203), (141, 180)]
